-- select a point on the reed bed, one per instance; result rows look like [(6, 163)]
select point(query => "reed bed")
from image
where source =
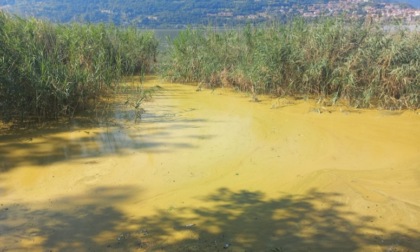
[(359, 63), (50, 70)]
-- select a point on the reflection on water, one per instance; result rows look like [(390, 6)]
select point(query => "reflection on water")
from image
[(103, 142), (116, 130)]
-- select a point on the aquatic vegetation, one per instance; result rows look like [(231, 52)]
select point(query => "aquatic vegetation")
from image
[(51, 70), (331, 59)]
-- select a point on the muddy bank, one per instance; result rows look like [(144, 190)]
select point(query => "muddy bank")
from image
[(212, 171)]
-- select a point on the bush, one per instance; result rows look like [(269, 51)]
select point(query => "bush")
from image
[(334, 59), (49, 70)]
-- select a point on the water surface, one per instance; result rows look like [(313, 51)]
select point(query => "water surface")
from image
[(213, 171)]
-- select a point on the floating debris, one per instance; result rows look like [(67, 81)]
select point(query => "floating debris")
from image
[(123, 236)]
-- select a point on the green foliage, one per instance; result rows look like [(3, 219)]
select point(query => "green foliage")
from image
[(332, 59), (49, 70)]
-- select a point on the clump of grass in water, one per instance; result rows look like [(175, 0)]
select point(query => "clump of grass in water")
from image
[(331, 59), (49, 70), (133, 94)]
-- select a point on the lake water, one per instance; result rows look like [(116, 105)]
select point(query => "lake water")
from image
[(213, 171)]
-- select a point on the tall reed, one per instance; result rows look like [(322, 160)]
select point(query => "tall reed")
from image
[(330, 58), (49, 70)]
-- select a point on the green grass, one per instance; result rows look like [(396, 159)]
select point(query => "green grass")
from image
[(358, 63), (49, 70)]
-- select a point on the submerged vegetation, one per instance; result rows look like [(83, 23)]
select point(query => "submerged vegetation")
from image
[(358, 63), (50, 70)]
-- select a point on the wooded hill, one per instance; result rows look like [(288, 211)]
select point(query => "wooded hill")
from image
[(173, 14)]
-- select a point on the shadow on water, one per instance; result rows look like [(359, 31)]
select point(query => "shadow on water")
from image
[(77, 223), (240, 221), (246, 222), (115, 131)]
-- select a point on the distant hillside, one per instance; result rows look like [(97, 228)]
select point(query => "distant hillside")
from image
[(179, 13), (413, 3)]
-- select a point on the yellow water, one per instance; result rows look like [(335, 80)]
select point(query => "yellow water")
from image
[(205, 169)]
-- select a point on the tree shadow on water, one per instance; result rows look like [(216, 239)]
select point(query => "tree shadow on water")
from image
[(88, 222), (225, 221), (245, 221)]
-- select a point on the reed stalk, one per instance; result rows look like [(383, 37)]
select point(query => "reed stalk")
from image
[(51, 70), (334, 59)]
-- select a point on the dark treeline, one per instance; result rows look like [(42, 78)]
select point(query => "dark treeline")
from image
[(49, 70), (358, 63)]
